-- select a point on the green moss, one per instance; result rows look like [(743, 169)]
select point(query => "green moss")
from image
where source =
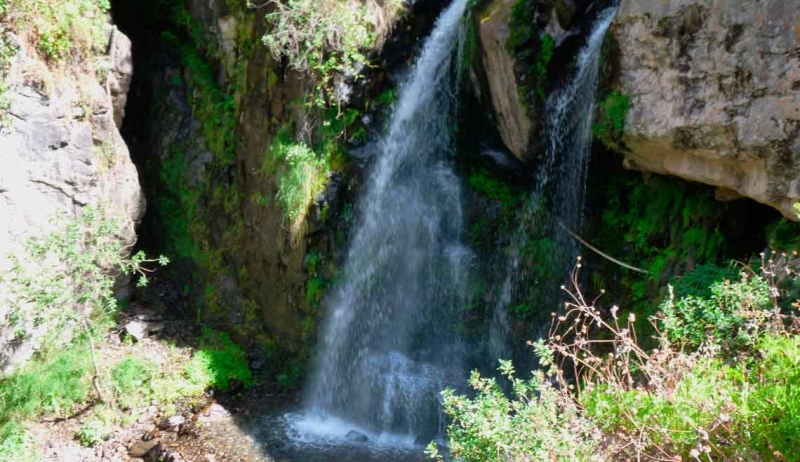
[(218, 362), (532, 49), (611, 127), (493, 188)]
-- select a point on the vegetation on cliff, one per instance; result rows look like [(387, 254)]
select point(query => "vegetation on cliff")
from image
[(59, 29), (327, 38)]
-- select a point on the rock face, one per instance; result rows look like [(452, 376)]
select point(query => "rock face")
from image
[(61, 151), (715, 94), (513, 123)]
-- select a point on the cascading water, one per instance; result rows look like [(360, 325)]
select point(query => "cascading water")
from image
[(560, 181), (390, 344), (569, 132)]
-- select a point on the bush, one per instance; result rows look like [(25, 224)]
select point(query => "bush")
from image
[(59, 28), (325, 37), (539, 422), (730, 317), (625, 403), (66, 277)]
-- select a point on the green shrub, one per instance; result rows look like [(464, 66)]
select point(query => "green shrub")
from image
[(92, 432), (618, 401), (771, 409), (59, 28), (67, 276), (325, 37), (611, 126), (539, 422), (729, 317)]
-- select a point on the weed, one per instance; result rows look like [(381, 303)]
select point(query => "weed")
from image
[(60, 28), (50, 386), (326, 38), (598, 395), (611, 126), (16, 444), (92, 432)]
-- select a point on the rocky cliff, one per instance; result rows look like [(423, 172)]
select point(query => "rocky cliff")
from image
[(715, 94), (208, 126), (61, 151)]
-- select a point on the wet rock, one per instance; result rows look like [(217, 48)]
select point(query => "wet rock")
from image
[(503, 89), (357, 437)]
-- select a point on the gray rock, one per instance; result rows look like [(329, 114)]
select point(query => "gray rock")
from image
[(715, 98), (141, 329), (61, 152), (357, 436)]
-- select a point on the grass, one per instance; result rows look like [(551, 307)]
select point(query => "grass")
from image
[(58, 383), (53, 386), (302, 172), (218, 363), (59, 29)]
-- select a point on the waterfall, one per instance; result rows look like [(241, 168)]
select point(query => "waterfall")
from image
[(390, 343), (560, 184), (569, 131)]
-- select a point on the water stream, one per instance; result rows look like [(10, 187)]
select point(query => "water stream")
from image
[(390, 344), (560, 186), (391, 341)]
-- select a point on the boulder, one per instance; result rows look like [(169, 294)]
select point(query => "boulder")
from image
[(514, 125), (715, 94), (357, 436), (61, 151)]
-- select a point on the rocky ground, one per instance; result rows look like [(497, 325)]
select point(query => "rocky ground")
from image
[(194, 429)]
